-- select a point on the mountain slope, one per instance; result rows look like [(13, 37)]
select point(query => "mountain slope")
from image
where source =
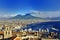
[(27, 16)]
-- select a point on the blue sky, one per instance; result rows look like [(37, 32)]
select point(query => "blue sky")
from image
[(14, 7)]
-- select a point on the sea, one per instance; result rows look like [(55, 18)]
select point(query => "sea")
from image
[(52, 26)]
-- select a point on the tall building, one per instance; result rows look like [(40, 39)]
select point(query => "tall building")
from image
[(7, 32)]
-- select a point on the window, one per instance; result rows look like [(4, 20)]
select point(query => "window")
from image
[(6, 32)]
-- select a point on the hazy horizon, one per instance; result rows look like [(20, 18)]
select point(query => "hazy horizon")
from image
[(41, 8)]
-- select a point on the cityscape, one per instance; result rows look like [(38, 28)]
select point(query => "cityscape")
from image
[(29, 19), (19, 30)]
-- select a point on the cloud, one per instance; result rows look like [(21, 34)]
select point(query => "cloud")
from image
[(4, 14), (46, 13), (42, 14), (7, 15)]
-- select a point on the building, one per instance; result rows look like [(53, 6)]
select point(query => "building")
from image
[(7, 32)]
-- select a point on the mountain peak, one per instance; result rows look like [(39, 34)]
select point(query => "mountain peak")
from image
[(19, 15), (27, 16)]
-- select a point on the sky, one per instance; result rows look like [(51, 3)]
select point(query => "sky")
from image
[(46, 8)]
